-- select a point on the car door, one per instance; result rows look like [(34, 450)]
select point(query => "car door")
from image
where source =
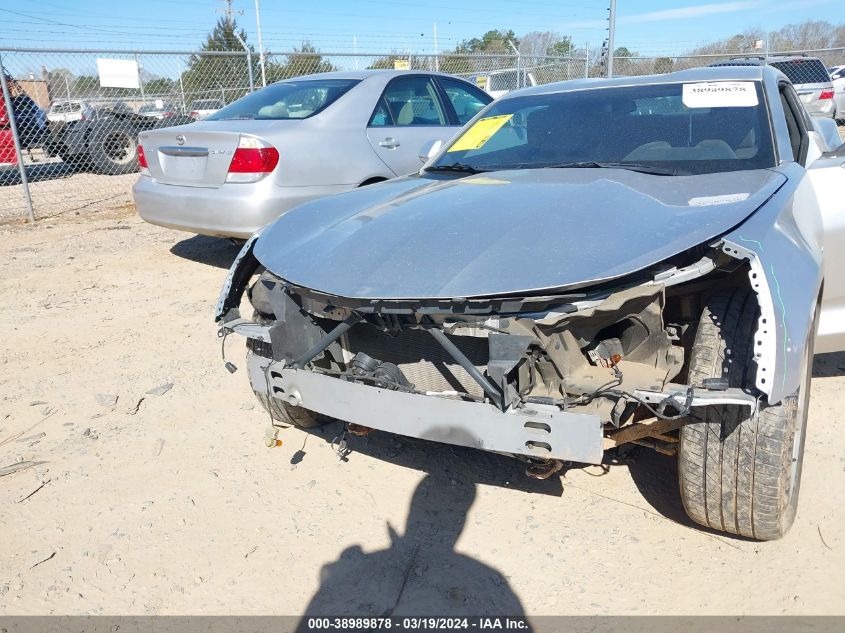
[(463, 99), (824, 176), (409, 113)]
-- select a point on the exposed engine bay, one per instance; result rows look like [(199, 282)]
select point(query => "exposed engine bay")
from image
[(614, 355)]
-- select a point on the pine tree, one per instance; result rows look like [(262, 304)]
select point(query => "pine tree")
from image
[(223, 77)]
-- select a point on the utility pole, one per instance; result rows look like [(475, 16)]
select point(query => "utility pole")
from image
[(611, 37), (229, 11), (260, 43)]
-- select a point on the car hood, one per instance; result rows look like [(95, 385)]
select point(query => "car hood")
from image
[(506, 232)]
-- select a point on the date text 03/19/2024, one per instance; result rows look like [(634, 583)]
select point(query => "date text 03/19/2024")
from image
[(479, 623)]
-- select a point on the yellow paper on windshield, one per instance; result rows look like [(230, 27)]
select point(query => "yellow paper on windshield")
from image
[(481, 131)]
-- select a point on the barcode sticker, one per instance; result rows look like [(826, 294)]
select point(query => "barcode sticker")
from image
[(719, 94)]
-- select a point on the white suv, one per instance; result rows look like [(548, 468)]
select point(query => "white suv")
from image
[(69, 110), (837, 75)]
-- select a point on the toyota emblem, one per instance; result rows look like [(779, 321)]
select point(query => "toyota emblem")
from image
[(180, 140)]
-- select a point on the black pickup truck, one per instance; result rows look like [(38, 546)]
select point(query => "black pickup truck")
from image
[(105, 141)]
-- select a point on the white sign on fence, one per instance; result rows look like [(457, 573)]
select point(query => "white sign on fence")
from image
[(118, 73)]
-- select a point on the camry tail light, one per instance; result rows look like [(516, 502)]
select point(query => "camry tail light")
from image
[(826, 94), (252, 161), (194, 114), (142, 161)]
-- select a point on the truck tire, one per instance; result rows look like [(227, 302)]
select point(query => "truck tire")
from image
[(113, 149), (737, 472)]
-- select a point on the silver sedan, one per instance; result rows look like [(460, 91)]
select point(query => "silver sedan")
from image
[(295, 141)]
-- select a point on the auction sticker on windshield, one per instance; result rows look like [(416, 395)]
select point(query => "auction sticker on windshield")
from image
[(481, 132), (719, 94)]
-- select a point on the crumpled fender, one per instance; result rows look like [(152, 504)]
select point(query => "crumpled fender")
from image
[(236, 282), (782, 241)]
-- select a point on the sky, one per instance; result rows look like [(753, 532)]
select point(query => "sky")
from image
[(650, 27)]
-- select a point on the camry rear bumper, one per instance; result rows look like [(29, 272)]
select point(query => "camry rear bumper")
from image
[(232, 210), (539, 431)]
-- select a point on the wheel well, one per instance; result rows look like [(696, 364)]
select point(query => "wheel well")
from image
[(684, 304), (372, 181)]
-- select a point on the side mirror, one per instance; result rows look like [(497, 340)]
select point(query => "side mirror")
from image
[(430, 150), (826, 128)]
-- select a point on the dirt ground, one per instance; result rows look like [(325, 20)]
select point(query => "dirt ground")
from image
[(153, 491)]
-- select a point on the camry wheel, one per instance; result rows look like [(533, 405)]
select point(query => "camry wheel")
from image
[(738, 472)]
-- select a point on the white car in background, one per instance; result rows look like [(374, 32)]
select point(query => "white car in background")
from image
[(837, 75), (159, 110), (295, 141), (202, 108), (69, 110), (499, 82)]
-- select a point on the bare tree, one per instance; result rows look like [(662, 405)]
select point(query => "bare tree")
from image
[(807, 35), (541, 43)]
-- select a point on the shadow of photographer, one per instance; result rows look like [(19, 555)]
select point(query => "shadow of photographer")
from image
[(420, 573)]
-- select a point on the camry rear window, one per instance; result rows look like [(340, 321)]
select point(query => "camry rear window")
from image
[(804, 71), (287, 100)]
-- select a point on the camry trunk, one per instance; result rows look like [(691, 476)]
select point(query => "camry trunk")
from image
[(520, 231), (185, 156)]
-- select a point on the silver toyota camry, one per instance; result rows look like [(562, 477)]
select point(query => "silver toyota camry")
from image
[(295, 141), (589, 264)]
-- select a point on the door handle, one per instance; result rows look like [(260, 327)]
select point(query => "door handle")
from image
[(389, 143)]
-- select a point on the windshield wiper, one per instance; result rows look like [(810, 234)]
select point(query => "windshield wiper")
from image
[(644, 169), (459, 167)]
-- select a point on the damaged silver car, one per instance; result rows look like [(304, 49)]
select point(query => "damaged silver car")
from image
[(585, 265)]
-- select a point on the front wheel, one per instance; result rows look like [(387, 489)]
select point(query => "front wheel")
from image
[(282, 411), (738, 472)]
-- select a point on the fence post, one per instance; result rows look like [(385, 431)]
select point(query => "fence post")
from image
[(10, 112), (587, 60), (248, 62)]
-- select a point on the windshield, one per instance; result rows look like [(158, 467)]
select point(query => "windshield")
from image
[(287, 100), (667, 128)]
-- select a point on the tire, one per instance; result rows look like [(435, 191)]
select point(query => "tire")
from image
[(281, 411), (286, 414), (739, 473), (113, 149)]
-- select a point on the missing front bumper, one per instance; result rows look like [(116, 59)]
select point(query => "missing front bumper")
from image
[(538, 431)]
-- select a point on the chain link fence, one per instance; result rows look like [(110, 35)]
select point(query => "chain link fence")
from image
[(69, 119)]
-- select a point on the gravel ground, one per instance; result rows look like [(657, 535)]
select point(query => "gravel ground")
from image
[(152, 491), (56, 192)]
